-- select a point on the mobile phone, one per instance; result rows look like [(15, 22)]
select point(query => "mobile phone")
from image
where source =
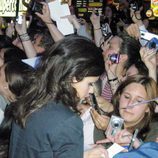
[(94, 104)]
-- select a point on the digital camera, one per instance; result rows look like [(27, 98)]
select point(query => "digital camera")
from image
[(153, 44), (150, 38), (37, 7), (114, 125), (105, 29), (114, 58), (134, 6)]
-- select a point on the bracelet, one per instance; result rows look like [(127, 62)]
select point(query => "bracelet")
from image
[(97, 28), (24, 37), (114, 79), (24, 34)]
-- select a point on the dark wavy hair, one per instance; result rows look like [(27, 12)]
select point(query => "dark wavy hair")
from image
[(152, 92), (17, 74), (73, 56), (18, 78), (131, 47)]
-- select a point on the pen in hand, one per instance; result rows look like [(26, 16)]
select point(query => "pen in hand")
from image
[(133, 140)]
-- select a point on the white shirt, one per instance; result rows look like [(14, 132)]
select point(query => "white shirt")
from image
[(88, 129)]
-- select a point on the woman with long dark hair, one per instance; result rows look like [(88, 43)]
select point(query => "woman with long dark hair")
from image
[(45, 124)]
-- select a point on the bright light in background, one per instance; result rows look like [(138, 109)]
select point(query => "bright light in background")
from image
[(154, 7), (8, 8)]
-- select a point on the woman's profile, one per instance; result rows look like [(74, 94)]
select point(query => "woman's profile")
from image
[(45, 124)]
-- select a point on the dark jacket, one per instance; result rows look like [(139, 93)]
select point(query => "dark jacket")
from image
[(54, 131)]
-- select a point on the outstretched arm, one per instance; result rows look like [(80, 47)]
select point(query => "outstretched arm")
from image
[(148, 56), (25, 39), (55, 33), (97, 29)]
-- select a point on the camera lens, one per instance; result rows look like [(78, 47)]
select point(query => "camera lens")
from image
[(116, 124), (114, 58), (153, 45)]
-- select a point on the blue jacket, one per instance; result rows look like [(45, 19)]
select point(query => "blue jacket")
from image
[(147, 150), (54, 131)]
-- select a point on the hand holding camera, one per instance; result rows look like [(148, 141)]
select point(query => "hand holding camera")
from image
[(135, 13), (95, 20), (148, 56), (44, 14), (115, 125), (22, 27)]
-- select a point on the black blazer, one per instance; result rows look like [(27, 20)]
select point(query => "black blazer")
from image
[(54, 131)]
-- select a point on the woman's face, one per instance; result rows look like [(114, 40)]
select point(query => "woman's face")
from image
[(85, 86), (133, 93), (115, 43)]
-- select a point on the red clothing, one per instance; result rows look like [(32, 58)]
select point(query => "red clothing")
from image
[(106, 89)]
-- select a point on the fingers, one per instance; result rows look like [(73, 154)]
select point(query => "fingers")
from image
[(105, 44), (133, 31), (96, 152), (103, 141), (104, 104), (38, 14), (123, 137), (100, 121), (147, 53), (96, 118)]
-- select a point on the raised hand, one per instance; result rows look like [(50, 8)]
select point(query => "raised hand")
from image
[(10, 29), (21, 28), (148, 56), (95, 20), (45, 16)]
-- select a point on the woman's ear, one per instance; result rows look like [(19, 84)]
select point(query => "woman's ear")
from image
[(74, 80), (123, 58)]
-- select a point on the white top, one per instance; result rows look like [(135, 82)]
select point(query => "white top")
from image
[(1, 116), (88, 129)]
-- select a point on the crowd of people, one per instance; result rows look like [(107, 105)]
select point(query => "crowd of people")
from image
[(64, 106)]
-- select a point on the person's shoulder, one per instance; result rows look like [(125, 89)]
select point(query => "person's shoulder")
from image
[(57, 107), (52, 112)]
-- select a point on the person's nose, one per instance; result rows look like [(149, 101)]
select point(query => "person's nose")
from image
[(130, 102)]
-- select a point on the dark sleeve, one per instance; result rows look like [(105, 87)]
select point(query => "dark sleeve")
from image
[(67, 141)]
